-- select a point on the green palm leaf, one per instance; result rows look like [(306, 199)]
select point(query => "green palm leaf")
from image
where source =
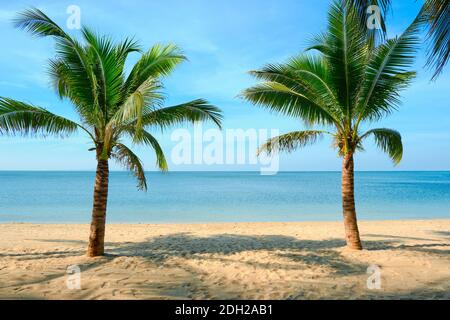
[(19, 117), (146, 138), (291, 141), (388, 140), (193, 111), (361, 6), (279, 98), (158, 61), (103, 54), (436, 13), (345, 48), (80, 83), (130, 161), (38, 23), (303, 75), (147, 97), (386, 73)]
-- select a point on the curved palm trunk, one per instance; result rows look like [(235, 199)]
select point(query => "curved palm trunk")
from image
[(97, 237), (348, 204)]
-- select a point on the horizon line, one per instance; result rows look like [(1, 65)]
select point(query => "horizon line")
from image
[(218, 171)]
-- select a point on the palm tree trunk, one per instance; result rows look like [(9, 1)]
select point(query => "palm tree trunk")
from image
[(97, 237), (348, 204)]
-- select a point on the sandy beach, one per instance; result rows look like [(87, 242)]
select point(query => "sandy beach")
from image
[(304, 260)]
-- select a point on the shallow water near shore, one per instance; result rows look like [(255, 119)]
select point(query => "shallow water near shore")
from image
[(66, 197)]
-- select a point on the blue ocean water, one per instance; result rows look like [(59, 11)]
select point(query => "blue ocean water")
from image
[(48, 197)]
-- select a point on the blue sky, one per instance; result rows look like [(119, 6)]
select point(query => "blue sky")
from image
[(223, 40)]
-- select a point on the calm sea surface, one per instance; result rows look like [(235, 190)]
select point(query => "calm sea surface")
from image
[(223, 196)]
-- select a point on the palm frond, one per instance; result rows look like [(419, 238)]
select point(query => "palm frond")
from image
[(68, 83), (38, 23), (122, 50), (345, 50), (127, 46), (388, 140), (71, 70), (306, 75), (437, 15), (148, 139), (434, 14), (158, 61), (362, 6), (291, 141), (21, 118), (147, 97), (193, 111), (82, 79), (130, 161), (107, 69), (279, 98), (387, 72)]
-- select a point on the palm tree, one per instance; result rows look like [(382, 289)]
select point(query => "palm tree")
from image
[(347, 83), (112, 106), (435, 15)]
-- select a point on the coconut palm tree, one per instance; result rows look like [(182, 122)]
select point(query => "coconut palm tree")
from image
[(346, 84), (112, 106), (434, 14)]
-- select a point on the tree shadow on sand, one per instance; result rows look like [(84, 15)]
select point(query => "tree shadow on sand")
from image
[(185, 245), (445, 234), (159, 250), (295, 254), (439, 245)]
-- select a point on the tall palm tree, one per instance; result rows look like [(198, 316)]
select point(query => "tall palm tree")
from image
[(435, 15), (112, 105), (346, 84)]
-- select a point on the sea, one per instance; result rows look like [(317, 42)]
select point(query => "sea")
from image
[(191, 197)]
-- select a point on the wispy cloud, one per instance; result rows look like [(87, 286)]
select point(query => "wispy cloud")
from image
[(6, 15)]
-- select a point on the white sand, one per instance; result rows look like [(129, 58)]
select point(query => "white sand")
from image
[(227, 261)]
